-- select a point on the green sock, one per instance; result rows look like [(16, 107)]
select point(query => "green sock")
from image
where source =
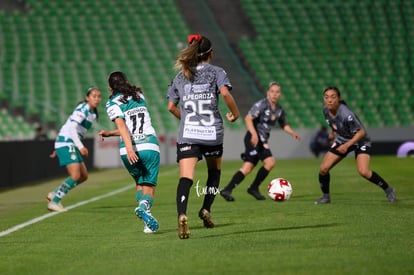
[(138, 195), (64, 188), (146, 202)]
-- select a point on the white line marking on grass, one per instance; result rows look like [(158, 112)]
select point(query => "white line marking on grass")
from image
[(48, 215)]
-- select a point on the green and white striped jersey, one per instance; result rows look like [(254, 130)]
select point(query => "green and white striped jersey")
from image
[(83, 116), (137, 120)]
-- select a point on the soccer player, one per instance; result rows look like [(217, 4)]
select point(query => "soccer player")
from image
[(70, 149), (350, 135), (196, 89), (261, 116), (138, 147)]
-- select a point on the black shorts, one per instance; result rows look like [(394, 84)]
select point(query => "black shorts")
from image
[(254, 154), (186, 150), (364, 149)]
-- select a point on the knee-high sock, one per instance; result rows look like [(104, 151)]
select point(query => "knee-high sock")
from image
[(138, 195), (64, 188), (235, 180), (183, 191), (213, 182), (260, 176), (324, 181), (146, 202), (376, 179)]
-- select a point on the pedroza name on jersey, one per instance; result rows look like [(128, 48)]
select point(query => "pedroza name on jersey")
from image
[(194, 92)]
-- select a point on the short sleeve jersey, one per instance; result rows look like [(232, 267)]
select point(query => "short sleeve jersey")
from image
[(345, 124), (83, 116), (136, 116), (201, 122), (264, 117)]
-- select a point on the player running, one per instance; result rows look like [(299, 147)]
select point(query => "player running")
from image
[(196, 89), (261, 116), (139, 147)]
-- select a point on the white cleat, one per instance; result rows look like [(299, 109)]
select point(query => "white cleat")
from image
[(56, 207), (148, 230), (50, 196)]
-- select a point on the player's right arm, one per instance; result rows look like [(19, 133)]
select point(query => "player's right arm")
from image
[(250, 127), (173, 109), (126, 137)]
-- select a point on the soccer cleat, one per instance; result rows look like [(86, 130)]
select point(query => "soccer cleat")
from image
[(323, 200), (255, 193), (57, 207), (205, 215), (148, 219), (183, 232), (391, 196), (50, 196), (226, 195)]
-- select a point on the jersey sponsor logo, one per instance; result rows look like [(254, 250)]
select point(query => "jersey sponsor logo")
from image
[(185, 148), (199, 132), (200, 88), (213, 153), (111, 112), (253, 153)]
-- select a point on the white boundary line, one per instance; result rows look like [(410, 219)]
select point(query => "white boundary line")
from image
[(48, 215)]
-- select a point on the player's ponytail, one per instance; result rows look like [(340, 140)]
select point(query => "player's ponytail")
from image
[(198, 50), (119, 84)]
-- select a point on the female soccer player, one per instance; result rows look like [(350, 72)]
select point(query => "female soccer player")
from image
[(350, 135), (70, 149), (196, 88), (139, 147), (261, 116)]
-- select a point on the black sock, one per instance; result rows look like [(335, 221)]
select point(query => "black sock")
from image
[(324, 183), (237, 178), (376, 179), (212, 184), (183, 190), (261, 175)]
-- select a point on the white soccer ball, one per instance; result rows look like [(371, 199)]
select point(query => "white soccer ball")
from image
[(279, 189)]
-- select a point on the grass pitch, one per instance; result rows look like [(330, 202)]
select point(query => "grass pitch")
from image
[(358, 233)]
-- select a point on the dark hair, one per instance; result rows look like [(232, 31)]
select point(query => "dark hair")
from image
[(119, 84), (87, 93), (198, 49), (337, 92)]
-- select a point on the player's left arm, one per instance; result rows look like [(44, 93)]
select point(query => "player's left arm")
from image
[(230, 103), (108, 133), (357, 137), (291, 132)]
